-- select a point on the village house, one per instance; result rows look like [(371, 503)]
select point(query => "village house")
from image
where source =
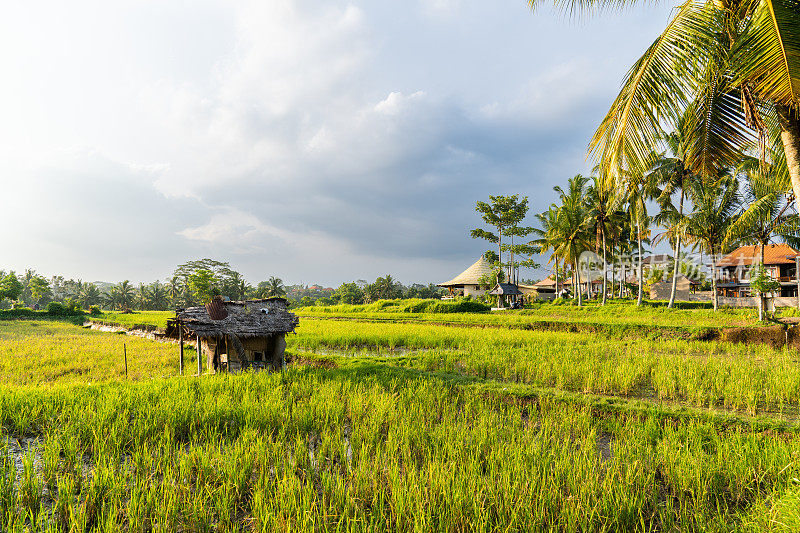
[(237, 335), (546, 289), (779, 263), (471, 282)]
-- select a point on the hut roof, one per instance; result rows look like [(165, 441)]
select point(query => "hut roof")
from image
[(250, 318), (470, 276), (505, 288), (774, 254), (549, 282)]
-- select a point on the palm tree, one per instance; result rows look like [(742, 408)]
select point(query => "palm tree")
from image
[(141, 296), (547, 237), (275, 287), (765, 217), (639, 191), (602, 200), (715, 204), (157, 296), (570, 234), (673, 175), (174, 289), (89, 295), (125, 294), (740, 59)]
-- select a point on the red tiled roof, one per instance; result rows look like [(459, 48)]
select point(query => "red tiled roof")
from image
[(774, 254), (550, 282)]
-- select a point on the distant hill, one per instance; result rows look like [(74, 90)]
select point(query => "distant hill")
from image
[(103, 285)]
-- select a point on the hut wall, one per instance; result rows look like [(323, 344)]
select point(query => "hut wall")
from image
[(473, 290)]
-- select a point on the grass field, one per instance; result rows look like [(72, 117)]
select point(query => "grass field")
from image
[(399, 427), (48, 352), (711, 374), (141, 319)]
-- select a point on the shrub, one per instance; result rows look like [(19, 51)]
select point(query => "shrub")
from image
[(95, 310), (56, 309), (458, 306)]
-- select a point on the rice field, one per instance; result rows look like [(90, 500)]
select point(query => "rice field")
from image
[(397, 427), (753, 378), (48, 352), (137, 319)]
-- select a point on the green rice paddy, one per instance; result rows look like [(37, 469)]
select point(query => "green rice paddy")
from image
[(407, 426)]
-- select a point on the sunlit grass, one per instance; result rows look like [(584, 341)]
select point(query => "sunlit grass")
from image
[(156, 319), (700, 373), (331, 451), (393, 443), (613, 314), (45, 352)]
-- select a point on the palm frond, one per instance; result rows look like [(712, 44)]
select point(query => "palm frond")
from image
[(770, 52), (654, 93)]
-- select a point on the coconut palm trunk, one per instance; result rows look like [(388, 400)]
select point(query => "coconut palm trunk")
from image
[(556, 293), (676, 261), (714, 296), (639, 270), (761, 297), (605, 268), (578, 284), (790, 135)]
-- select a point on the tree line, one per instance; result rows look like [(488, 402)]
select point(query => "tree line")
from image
[(675, 202), (192, 283)]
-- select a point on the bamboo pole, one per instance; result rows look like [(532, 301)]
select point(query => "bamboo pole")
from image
[(199, 351)]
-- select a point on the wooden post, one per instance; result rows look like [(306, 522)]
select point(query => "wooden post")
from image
[(180, 340), (125, 353), (199, 366)]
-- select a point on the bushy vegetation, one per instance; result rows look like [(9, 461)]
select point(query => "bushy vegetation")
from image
[(412, 305)]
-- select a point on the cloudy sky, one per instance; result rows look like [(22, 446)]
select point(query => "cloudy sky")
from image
[(318, 141)]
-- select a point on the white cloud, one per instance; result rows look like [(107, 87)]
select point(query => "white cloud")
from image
[(280, 133)]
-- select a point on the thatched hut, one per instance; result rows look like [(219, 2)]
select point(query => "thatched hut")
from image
[(471, 281), (506, 293), (251, 334)]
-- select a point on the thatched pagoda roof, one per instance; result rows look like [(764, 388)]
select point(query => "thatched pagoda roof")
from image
[(246, 319), (508, 289), (470, 276)]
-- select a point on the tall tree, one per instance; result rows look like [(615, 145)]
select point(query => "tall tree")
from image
[(766, 213), (501, 213), (271, 288), (603, 200), (10, 286), (672, 175), (715, 205), (639, 191), (547, 238), (571, 233)]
